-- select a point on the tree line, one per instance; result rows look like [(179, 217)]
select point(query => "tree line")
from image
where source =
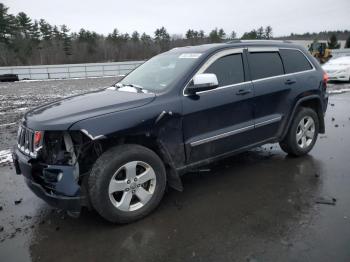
[(24, 41)]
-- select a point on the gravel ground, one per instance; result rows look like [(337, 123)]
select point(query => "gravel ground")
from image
[(18, 97)]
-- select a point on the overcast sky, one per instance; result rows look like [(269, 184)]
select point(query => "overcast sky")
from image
[(177, 16)]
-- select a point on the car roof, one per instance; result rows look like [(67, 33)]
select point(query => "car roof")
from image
[(208, 48)]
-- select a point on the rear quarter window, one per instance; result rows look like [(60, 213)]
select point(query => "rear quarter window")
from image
[(294, 61), (265, 64)]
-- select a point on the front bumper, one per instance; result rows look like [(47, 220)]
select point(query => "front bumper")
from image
[(55, 184)]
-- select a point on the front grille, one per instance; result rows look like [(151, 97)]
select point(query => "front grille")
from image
[(25, 140)]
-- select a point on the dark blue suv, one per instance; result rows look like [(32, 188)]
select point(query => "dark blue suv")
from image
[(115, 150)]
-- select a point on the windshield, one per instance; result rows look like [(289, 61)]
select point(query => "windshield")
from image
[(161, 71)]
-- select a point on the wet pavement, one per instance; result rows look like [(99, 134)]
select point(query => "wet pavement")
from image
[(258, 206)]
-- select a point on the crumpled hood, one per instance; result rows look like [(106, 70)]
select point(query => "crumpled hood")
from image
[(60, 115)]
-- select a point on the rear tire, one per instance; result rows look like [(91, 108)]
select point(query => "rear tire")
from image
[(302, 134), (126, 183)]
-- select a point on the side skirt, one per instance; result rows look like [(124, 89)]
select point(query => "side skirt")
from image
[(183, 170)]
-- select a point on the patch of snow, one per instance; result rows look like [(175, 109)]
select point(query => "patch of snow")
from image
[(5, 156), (8, 124), (59, 79), (22, 109)]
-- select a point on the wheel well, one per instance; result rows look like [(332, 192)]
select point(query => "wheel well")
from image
[(173, 178), (315, 104)]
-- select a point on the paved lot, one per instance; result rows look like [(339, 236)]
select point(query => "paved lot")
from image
[(257, 206)]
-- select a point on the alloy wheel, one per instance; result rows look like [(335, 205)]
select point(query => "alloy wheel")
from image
[(305, 132), (132, 186)]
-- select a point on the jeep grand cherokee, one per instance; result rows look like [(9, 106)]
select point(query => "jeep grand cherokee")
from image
[(115, 150)]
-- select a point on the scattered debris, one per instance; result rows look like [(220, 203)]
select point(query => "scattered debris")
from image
[(332, 104), (57, 228), (27, 217), (1, 208), (333, 118), (326, 200), (19, 201), (336, 125), (1, 228), (317, 175)]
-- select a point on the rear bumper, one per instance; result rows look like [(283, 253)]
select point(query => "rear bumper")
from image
[(55, 184)]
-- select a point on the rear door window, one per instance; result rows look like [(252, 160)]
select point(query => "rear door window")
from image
[(228, 69), (265, 64), (294, 61)]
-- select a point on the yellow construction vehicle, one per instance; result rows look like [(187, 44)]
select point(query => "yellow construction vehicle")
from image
[(320, 51)]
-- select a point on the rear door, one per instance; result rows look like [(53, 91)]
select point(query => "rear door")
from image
[(219, 120), (272, 89)]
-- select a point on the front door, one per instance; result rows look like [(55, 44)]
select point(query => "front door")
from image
[(219, 121)]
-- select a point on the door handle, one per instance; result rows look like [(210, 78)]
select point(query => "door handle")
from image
[(290, 81), (243, 92)]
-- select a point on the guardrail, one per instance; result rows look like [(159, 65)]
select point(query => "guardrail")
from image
[(68, 71)]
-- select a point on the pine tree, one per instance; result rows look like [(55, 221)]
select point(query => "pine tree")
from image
[(35, 32), (135, 37), (24, 24), (268, 32), (7, 24), (162, 38), (260, 34), (233, 34), (67, 41), (333, 42), (250, 35), (45, 30), (217, 36), (347, 43)]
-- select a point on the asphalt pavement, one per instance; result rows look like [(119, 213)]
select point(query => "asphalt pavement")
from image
[(261, 205)]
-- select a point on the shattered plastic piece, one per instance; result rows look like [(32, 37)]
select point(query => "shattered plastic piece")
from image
[(18, 201), (326, 200)]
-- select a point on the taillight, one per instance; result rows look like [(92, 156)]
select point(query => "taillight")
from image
[(37, 138), (325, 78)]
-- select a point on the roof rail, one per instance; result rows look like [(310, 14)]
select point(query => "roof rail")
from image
[(257, 40)]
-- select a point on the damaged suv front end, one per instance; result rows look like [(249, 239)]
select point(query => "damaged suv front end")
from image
[(49, 162), (55, 153)]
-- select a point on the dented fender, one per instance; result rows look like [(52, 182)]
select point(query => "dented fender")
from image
[(160, 120)]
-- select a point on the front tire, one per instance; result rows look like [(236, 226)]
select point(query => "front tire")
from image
[(126, 183), (302, 134)]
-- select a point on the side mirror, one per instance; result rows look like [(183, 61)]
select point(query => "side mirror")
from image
[(202, 82)]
